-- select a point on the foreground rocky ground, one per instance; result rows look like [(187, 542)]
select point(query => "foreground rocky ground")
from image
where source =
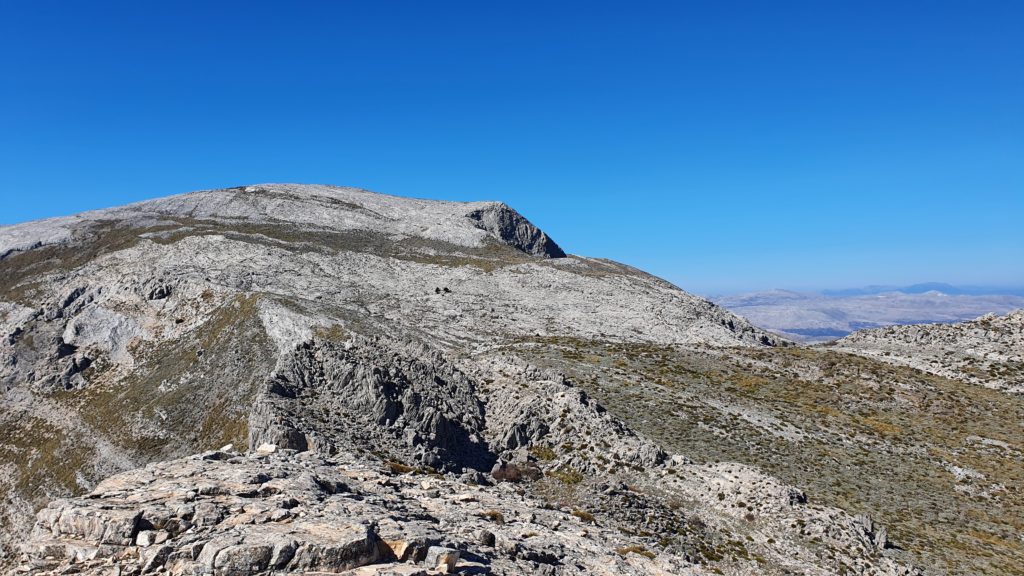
[(226, 513), (427, 372)]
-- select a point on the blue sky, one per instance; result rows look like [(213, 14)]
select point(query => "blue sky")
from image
[(722, 145)]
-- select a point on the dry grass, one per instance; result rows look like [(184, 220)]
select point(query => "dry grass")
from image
[(494, 516), (870, 434), (636, 549)]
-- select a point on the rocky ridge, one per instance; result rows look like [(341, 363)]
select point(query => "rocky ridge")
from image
[(988, 350), (357, 332)]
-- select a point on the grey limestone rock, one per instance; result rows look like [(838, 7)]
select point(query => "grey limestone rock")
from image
[(510, 227), (384, 520), (988, 350)]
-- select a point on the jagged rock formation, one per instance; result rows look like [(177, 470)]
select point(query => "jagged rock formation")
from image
[(371, 335), (371, 395), (514, 230), (987, 351)]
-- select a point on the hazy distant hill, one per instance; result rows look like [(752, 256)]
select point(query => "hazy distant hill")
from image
[(831, 314), (930, 287)]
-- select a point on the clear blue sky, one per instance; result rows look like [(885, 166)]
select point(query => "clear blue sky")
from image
[(722, 145)]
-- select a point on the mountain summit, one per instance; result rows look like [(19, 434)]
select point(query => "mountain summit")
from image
[(317, 207)]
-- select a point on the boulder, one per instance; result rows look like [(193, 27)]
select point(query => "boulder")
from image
[(442, 559)]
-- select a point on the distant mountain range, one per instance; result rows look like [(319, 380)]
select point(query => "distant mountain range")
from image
[(930, 287), (831, 314)]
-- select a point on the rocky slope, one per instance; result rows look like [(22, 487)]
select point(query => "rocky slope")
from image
[(936, 460), (987, 351), (226, 513), (395, 352)]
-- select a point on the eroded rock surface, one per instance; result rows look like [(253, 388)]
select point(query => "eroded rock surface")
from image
[(227, 513)]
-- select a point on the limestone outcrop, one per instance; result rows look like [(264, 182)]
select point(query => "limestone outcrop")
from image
[(988, 350)]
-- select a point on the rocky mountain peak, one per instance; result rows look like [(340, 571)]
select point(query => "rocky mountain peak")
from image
[(313, 207), (416, 372)]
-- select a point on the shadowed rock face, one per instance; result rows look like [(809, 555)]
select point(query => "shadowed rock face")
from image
[(409, 403), (372, 359), (511, 228)]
